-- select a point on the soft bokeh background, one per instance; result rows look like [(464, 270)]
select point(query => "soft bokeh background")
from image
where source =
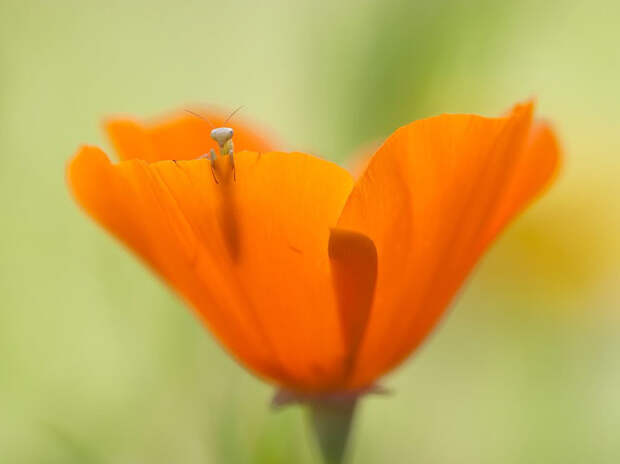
[(100, 363)]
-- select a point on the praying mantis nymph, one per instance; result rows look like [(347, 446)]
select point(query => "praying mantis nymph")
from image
[(223, 137)]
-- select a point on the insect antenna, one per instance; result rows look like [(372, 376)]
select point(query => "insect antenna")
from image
[(233, 113), (201, 117)]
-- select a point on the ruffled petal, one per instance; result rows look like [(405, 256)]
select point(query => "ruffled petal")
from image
[(251, 255), (432, 198)]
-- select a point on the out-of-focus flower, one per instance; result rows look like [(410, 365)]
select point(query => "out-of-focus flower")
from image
[(181, 136), (313, 280)]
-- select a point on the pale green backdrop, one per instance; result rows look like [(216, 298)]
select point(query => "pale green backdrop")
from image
[(100, 363)]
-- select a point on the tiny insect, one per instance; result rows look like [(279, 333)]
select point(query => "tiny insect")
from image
[(223, 137)]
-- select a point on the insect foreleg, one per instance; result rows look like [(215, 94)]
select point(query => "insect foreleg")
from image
[(234, 170), (231, 153), (211, 157)]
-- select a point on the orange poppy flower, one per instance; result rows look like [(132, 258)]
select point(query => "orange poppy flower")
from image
[(312, 279)]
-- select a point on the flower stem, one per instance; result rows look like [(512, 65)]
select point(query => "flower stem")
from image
[(331, 423)]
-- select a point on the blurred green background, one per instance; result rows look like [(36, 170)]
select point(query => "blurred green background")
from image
[(100, 363)]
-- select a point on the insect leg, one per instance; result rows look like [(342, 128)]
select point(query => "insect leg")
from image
[(232, 160), (211, 157)]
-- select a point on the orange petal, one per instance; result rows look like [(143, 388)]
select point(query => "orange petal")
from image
[(180, 137), (353, 259), (433, 197), (250, 256), (537, 164)]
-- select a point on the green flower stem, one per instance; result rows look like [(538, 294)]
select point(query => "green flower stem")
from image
[(331, 423)]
